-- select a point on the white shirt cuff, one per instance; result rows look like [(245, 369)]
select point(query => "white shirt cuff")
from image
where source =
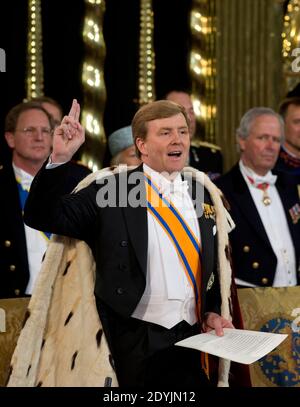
[(51, 165)]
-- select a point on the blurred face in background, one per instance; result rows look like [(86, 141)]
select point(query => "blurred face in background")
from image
[(127, 156), (54, 111), (292, 129), (185, 100), (31, 140), (259, 151)]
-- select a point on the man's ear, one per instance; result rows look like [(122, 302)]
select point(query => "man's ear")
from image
[(10, 139), (241, 143), (141, 145)]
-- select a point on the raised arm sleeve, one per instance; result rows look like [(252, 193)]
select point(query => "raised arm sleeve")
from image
[(50, 209)]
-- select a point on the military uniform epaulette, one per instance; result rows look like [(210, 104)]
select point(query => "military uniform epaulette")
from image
[(200, 143)]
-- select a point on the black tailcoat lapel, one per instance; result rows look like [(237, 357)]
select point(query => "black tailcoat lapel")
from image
[(208, 240), (136, 221), (244, 201)]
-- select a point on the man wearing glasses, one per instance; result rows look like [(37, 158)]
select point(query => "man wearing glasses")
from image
[(28, 133)]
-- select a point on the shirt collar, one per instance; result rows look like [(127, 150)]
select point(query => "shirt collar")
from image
[(22, 176), (165, 185), (247, 172)]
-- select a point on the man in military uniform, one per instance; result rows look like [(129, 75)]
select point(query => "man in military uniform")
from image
[(265, 207), (203, 156)]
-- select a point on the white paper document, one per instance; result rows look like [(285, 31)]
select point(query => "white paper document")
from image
[(238, 345)]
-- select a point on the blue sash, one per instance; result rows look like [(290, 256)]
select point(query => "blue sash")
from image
[(23, 194)]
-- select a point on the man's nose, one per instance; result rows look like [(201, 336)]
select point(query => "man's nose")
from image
[(176, 137), (39, 134), (272, 144)]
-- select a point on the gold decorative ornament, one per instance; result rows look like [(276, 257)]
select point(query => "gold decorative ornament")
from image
[(93, 84), (203, 66), (266, 199), (35, 69), (146, 54), (291, 44)]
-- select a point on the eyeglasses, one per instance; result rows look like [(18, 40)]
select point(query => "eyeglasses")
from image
[(33, 131)]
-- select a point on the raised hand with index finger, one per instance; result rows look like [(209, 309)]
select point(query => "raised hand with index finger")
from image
[(68, 137)]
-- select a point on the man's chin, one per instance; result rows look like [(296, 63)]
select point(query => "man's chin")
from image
[(40, 157), (175, 168)]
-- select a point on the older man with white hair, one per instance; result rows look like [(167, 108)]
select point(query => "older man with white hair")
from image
[(264, 206)]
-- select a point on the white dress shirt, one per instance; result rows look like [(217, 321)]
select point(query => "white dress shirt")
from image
[(275, 223), (36, 242), (168, 298)]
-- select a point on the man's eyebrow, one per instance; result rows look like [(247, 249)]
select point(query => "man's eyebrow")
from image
[(170, 128), (265, 135), (165, 128)]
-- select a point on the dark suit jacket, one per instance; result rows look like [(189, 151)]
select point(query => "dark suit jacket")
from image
[(253, 258), (117, 236), (14, 269), (288, 163), (207, 158)]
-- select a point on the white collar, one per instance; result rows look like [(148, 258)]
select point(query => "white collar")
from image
[(289, 152), (159, 179), (22, 176), (166, 186), (256, 179)]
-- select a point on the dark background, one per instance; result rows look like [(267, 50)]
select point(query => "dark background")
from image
[(63, 53)]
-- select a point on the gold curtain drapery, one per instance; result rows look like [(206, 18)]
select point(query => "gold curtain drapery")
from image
[(35, 68), (249, 64), (146, 54), (291, 45), (93, 85), (203, 66)]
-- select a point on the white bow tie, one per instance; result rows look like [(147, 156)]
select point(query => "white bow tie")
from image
[(256, 179), (178, 188), (267, 179)]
